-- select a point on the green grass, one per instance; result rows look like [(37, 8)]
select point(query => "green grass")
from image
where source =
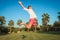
[(30, 36)]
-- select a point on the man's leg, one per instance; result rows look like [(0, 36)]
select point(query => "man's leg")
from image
[(34, 28), (28, 26), (35, 25)]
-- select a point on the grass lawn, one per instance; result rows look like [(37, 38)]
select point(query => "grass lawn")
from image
[(30, 36)]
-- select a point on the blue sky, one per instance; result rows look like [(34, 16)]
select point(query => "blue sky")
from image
[(10, 9)]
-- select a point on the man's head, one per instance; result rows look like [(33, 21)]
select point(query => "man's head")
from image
[(29, 7)]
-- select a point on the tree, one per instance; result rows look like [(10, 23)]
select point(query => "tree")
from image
[(19, 23), (2, 20), (2, 24), (56, 24), (45, 19), (11, 24)]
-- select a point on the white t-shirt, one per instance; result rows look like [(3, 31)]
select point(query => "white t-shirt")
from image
[(31, 13)]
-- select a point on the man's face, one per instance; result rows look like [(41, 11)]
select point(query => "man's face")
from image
[(30, 7)]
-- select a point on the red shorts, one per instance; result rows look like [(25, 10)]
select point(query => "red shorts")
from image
[(33, 22)]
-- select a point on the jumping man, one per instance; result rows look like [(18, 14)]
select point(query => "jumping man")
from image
[(32, 20)]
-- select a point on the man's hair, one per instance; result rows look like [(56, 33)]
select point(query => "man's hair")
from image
[(29, 6)]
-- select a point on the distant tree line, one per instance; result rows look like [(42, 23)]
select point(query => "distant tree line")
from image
[(44, 27)]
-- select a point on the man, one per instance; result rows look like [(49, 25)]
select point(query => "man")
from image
[(32, 14)]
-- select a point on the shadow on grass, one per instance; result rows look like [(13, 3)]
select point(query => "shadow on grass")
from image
[(51, 32), (1, 34)]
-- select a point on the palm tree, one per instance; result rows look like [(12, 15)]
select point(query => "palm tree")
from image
[(11, 24), (2, 20), (19, 23), (45, 19)]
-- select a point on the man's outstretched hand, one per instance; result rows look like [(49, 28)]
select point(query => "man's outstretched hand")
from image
[(19, 2)]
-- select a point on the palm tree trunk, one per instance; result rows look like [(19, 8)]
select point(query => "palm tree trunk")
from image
[(10, 29)]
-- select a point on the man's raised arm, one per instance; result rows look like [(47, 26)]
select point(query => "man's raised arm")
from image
[(21, 4)]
